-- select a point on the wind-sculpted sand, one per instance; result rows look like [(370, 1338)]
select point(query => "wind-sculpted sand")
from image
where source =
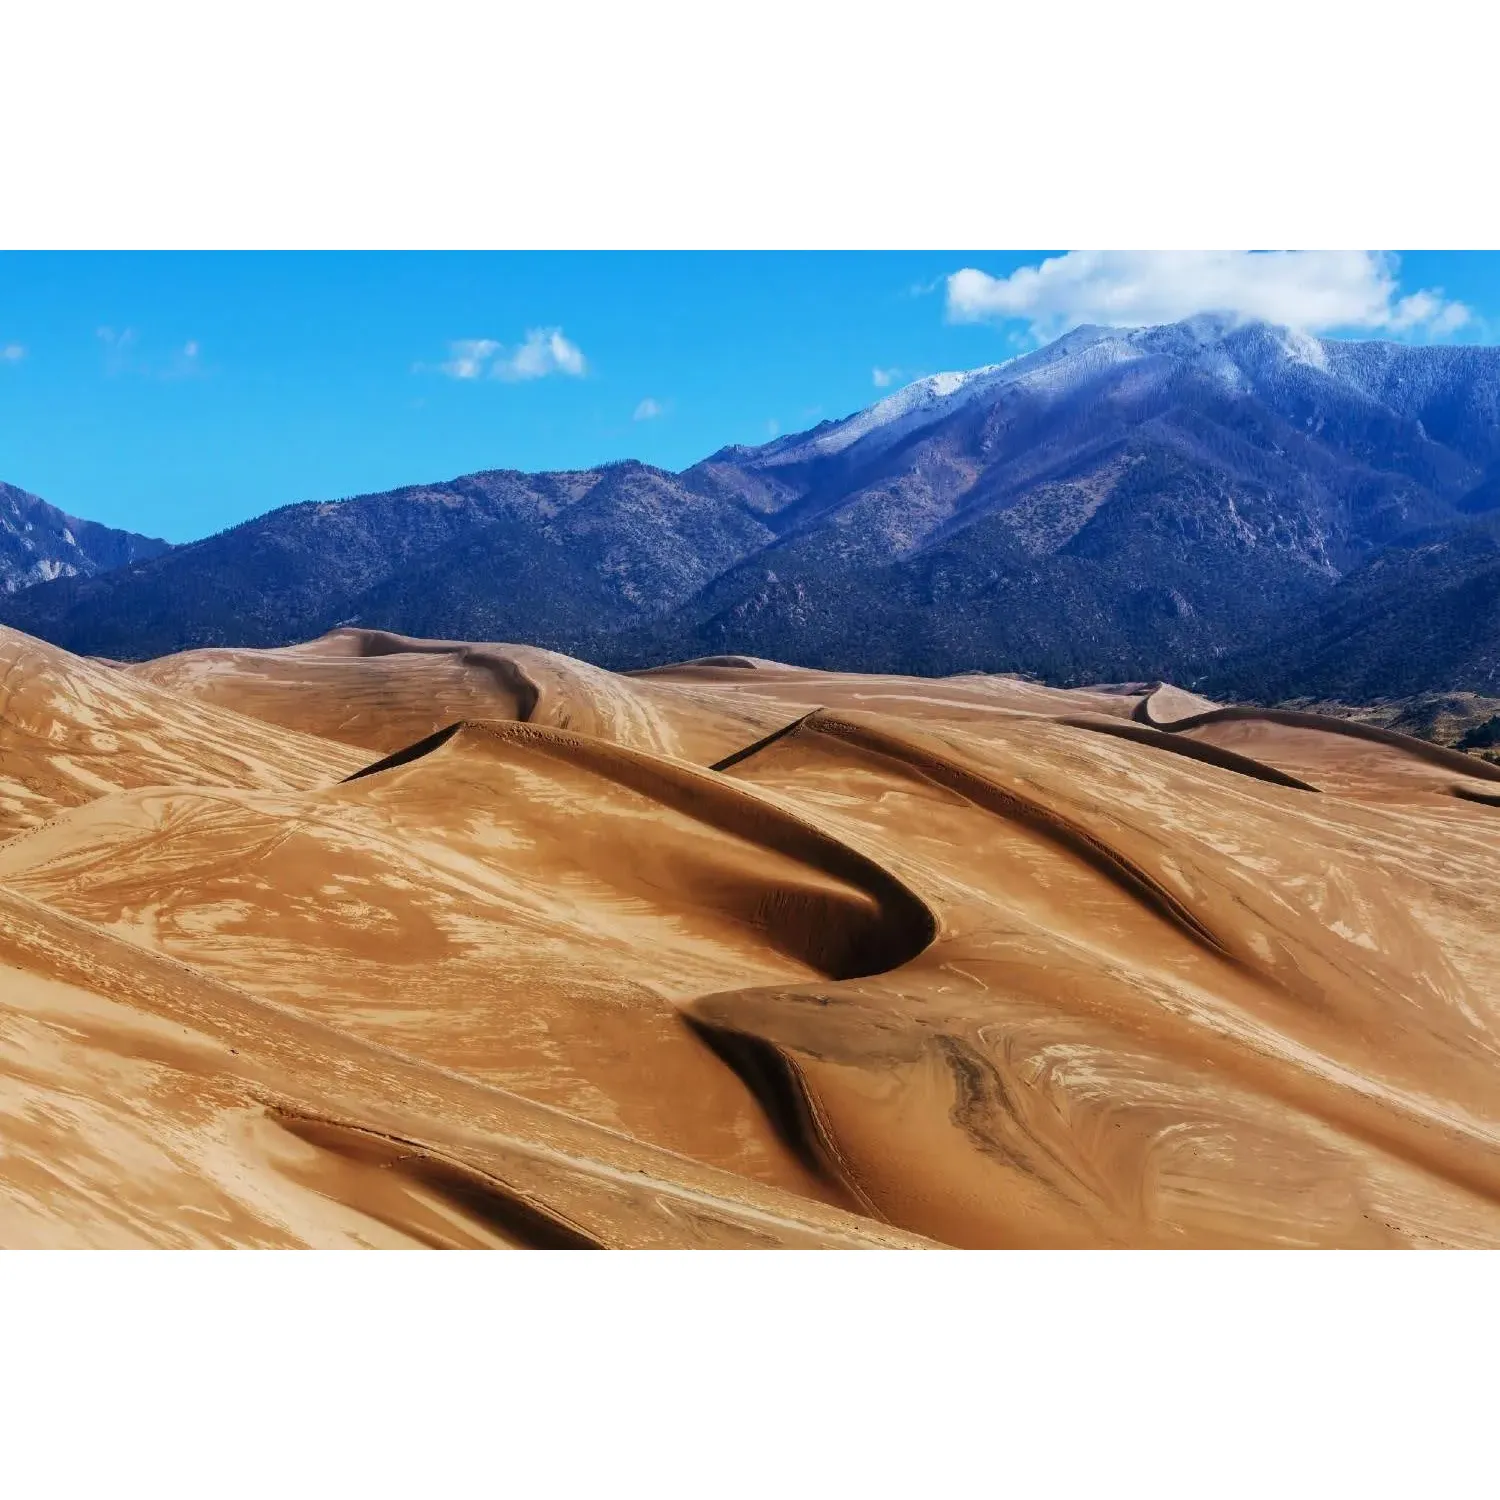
[(386, 942)]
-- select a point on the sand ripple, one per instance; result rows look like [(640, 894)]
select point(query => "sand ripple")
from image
[(385, 942)]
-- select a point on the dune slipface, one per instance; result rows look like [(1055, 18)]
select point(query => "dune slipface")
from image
[(376, 941)]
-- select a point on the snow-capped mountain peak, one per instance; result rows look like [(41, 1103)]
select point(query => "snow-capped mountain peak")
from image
[(1237, 354), (933, 397)]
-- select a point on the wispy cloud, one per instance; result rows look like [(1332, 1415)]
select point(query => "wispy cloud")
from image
[(467, 358), (1315, 290), (185, 362), (122, 357), (12, 353), (647, 409), (545, 351), (885, 377), (118, 347)]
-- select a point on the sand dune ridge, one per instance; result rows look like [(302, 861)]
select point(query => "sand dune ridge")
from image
[(378, 941)]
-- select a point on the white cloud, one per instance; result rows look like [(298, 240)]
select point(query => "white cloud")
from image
[(1310, 289), (190, 349), (648, 408), (1429, 309), (772, 426), (886, 377), (467, 356), (545, 352), (10, 353)]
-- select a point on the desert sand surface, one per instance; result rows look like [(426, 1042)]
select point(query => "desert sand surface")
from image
[(394, 943)]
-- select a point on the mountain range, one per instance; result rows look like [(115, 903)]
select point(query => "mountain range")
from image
[(38, 543), (1246, 508)]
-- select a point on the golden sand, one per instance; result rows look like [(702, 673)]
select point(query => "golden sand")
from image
[(383, 942)]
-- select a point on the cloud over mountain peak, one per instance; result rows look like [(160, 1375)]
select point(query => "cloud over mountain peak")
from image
[(1312, 289)]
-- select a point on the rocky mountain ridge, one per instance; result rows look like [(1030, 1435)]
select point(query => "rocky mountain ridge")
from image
[(39, 543), (1122, 504)]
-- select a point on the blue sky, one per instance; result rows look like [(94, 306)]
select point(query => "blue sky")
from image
[(177, 394)]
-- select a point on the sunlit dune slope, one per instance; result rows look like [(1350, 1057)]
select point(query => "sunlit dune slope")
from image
[(145, 1104), (381, 941), (525, 904), (1168, 1002), (1354, 760), (974, 696), (381, 691), (72, 730)]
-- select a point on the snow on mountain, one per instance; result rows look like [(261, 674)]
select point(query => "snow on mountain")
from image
[(1239, 355), (914, 405), (1057, 367), (1054, 372), (1122, 503)]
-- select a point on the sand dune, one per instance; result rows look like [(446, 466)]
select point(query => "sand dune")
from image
[(1378, 765), (389, 942), (381, 691), (72, 730)]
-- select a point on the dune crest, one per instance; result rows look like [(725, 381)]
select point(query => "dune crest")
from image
[(378, 941)]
